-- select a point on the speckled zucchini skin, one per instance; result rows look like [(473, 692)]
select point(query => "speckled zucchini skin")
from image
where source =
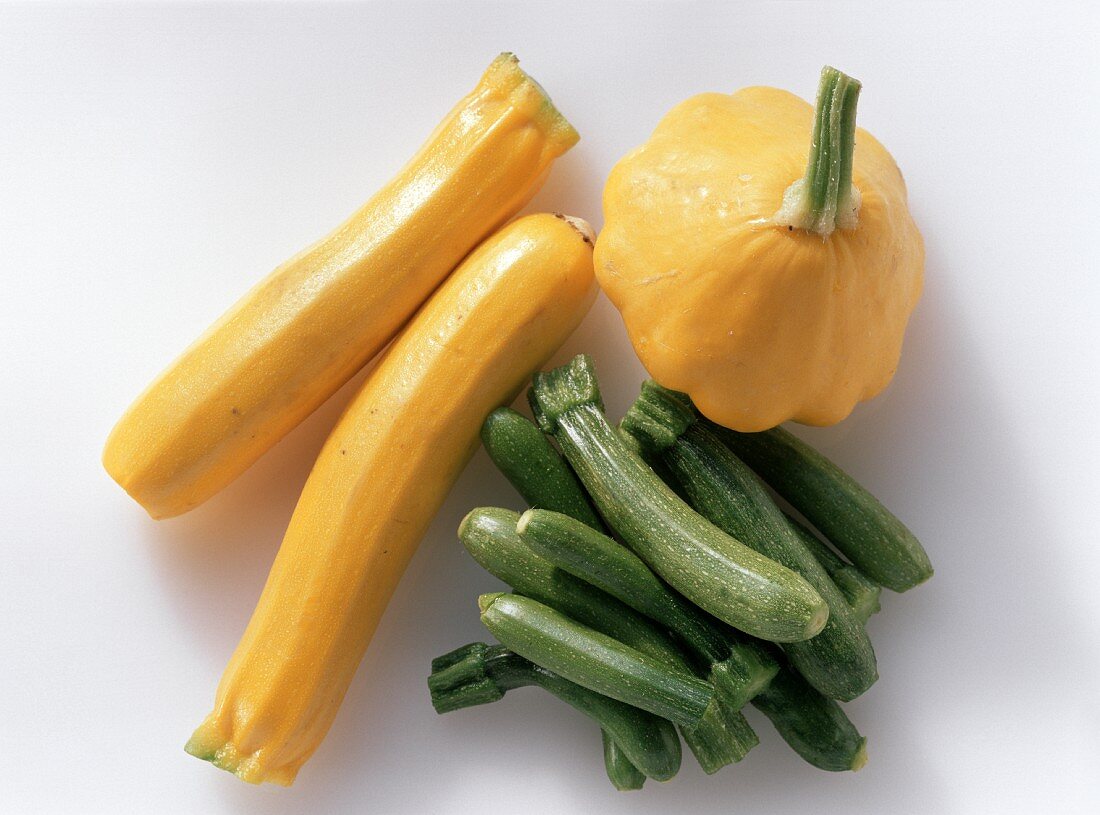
[(734, 663), (722, 736), (848, 515), (594, 660), (862, 593), (839, 662), (529, 461), (489, 535), (716, 572)]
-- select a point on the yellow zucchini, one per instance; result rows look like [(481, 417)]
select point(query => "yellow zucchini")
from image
[(302, 332), (379, 479)]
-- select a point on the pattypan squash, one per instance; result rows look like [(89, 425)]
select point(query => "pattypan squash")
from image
[(768, 275)]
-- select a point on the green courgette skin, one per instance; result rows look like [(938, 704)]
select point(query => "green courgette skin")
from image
[(525, 456), (716, 572), (621, 771), (736, 670), (721, 737), (862, 594), (814, 726), (529, 461), (597, 559), (655, 750), (735, 664), (848, 515), (593, 660), (790, 706), (489, 535), (478, 674), (839, 662)]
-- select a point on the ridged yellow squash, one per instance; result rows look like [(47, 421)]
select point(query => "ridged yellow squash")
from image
[(381, 476), (301, 333), (768, 274)]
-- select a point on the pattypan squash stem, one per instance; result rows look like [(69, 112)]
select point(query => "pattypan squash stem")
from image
[(824, 199)]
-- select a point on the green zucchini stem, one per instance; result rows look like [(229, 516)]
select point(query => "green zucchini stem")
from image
[(478, 673), (722, 736), (825, 199)]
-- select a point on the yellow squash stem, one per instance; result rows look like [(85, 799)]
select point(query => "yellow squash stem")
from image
[(302, 332), (379, 479)]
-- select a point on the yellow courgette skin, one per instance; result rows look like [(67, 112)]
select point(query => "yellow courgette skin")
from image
[(379, 479), (301, 333)]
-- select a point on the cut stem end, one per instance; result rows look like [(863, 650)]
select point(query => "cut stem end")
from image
[(860, 758)]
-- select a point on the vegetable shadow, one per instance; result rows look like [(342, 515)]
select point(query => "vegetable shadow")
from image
[(213, 560)]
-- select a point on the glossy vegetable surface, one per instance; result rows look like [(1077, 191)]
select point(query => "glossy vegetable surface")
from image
[(531, 464), (524, 454), (621, 771), (707, 566), (593, 660), (764, 306), (721, 736), (734, 665), (839, 662), (861, 593), (489, 535), (303, 331), (848, 515), (814, 726), (383, 472)]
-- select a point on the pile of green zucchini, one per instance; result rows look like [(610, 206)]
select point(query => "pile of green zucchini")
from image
[(708, 597)]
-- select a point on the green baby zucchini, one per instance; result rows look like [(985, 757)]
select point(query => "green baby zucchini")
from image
[(814, 726), (594, 660), (848, 515), (721, 737), (736, 666), (716, 572), (529, 461), (478, 673), (839, 661)]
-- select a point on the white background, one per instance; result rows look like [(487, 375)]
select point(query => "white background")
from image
[(155, 161)]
